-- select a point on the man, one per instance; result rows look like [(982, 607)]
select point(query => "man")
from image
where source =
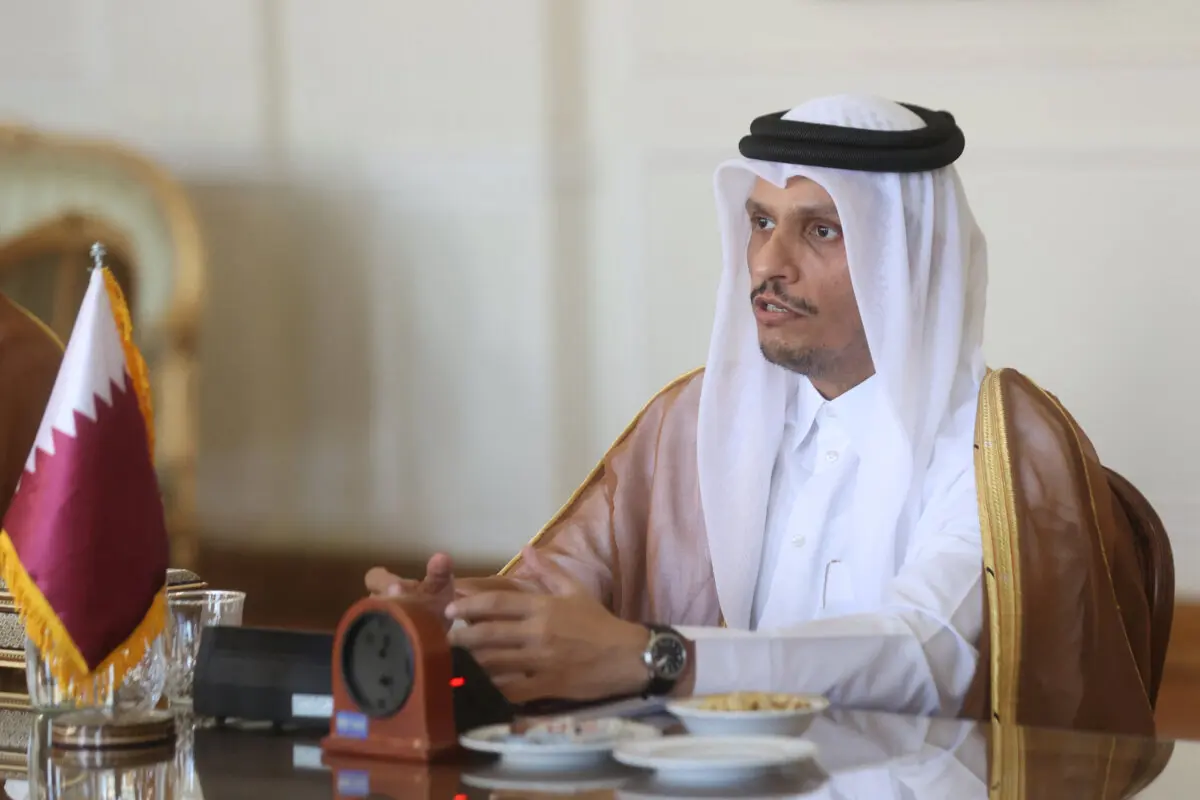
[(30, 354), (804, 513)]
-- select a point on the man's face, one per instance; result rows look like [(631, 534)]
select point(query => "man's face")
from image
[(803, 302)]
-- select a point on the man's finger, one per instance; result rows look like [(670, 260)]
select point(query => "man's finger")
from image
[(377, 580), (440, 567), (469, 586), (494, 605), (485, 635), (439, 574), (381, 582)]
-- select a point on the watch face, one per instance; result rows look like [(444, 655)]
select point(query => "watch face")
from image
[(377, 664), (668, 656)]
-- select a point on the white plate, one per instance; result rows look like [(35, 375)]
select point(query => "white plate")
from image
[(772, 786), (499, 778), (517, 753), (705, 722), (713, 759)]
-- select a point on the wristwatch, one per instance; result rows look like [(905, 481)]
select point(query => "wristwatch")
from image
[(665, 658)]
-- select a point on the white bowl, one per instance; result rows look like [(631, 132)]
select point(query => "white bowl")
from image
[(705, 722)]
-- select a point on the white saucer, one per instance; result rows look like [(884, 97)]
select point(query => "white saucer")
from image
[(499, 778), (771, 786), (517, 754), (713, 759)]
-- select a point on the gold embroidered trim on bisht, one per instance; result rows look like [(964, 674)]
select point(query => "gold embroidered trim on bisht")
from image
[(1006, 772), (1001, 551)]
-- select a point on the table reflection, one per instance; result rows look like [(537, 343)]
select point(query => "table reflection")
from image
[(860, 756)]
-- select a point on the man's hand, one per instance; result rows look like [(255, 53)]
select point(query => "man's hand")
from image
[(565, 645), (437, 588), (439, 574), (440, 569)]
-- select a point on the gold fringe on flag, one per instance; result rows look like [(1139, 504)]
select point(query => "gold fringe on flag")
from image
[(133, 357), (42, 624), (59, 651)]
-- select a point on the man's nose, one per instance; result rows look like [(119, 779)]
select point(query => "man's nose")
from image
[(772, 261)]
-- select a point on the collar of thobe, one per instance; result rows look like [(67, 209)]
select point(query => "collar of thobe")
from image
[(806, 408)]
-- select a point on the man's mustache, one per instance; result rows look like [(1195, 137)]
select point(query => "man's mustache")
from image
[(797, 304)]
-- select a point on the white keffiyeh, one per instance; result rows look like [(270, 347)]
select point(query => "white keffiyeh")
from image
[(918, 266)]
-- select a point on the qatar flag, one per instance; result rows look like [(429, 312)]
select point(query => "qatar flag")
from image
[(84, 543)]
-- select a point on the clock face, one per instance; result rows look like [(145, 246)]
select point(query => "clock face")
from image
[(377, 664)]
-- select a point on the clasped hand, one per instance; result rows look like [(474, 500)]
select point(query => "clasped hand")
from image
[(533, 645), (437, 589)]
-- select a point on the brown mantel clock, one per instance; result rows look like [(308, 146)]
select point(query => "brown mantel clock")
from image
[(392, 684)]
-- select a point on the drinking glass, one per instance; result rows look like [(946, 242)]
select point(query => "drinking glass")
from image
[(140, 689), (188, 614)]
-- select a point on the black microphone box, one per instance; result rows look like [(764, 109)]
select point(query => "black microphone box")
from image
[(285, 677)]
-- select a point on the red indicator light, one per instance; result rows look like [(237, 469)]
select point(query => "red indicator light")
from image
[(457, 682)]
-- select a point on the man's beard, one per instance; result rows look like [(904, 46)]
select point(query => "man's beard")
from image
[(810, 361)]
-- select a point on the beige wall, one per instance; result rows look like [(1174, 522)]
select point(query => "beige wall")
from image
[(456, 245)]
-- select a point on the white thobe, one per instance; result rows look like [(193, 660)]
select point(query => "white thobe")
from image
[(916, 653), (809, 525), (881, 756)]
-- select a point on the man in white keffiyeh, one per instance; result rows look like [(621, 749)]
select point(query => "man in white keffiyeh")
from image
[(803, 514), (802, 511)]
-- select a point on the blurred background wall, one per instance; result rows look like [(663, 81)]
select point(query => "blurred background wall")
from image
[(455, 246)]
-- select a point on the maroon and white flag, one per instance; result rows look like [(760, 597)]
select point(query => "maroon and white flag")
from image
[(84, 543)]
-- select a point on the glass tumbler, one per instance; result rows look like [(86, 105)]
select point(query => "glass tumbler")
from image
[(140, 689), (188, 614), (102, 756)]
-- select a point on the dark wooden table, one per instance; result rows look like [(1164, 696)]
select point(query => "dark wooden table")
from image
[(860, 755)]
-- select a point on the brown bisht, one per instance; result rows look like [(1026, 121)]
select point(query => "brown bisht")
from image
[(30, 355), (1079, 586), (1078, 569), (1044, 764), (633, 534)]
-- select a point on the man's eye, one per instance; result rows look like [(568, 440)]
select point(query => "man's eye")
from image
[(762, 223), (827, 232)]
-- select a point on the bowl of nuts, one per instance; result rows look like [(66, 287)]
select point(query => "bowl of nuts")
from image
[(748, 713)]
